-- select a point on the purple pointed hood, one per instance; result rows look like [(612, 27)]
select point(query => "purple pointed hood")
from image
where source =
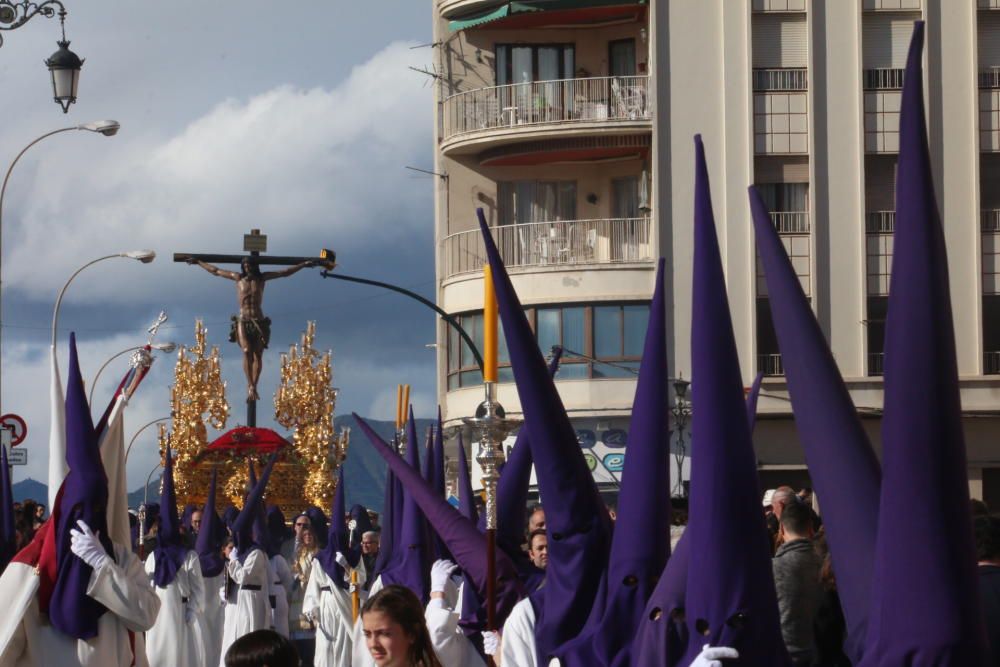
[(730, 597), (337, 536), (925, 606), (170, 550), (576, 518), (229, 516), (189, 510), (662, 635), (841, 460), (460, 534), (411, 567), (438, 476), (387, 543), (211, 535), (466, 497), (641, 543), (362, 524), (277, 530), (8, 536), (243, 525), (84, 497)]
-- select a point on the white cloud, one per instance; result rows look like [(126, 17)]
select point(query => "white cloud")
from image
[(311, 167)]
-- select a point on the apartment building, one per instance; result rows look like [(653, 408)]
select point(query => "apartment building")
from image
[(571, 121)]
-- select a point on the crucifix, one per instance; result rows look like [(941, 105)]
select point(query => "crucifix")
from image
[(250, 329)]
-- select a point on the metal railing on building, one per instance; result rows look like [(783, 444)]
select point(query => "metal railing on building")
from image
[(565, 242), (770, 365), (991, 363), (775, 80), (880, 222), (791, 222), (608, 98), (989, 220), (883, 78), (876, 363)]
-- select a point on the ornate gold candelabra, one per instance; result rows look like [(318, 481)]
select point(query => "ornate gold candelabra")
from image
[(198, 393), (305, 402)]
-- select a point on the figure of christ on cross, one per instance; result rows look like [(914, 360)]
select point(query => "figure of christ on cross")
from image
[(251, 329)]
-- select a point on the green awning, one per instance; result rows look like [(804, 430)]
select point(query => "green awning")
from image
[(514, 8)]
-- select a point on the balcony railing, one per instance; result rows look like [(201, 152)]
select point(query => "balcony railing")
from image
[(880, 222), (989, 77), (791, 222), (891, 5), (566, 242), (609, 98), (770, 365), (876, 363), (991, 363), (883, 78), (765, 80), (989, 219)]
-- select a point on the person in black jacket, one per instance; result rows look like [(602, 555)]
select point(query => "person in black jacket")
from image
[(987, 531), (796, 568)]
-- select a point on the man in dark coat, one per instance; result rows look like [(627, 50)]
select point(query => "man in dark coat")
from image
[(796, 578)]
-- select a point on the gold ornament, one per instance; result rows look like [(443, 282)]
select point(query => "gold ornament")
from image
[(305, 402)]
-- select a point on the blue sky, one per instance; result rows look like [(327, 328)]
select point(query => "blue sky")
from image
[(295, 118)]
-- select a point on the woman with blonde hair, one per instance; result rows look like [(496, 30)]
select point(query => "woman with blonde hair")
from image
[(395, 631), (303, 631)]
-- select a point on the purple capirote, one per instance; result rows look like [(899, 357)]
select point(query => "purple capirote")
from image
[(925, 603), (576, 518)]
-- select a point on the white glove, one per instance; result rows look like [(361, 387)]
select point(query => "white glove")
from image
[(352, 524), (313, 615), (222, 595), (188, 615), (342, 561), (232, 554), (713, 656), (87, 547), (491, 642), (440, 573)]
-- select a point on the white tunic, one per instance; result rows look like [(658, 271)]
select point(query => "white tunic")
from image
[(450, 643), (334, 625), (281, 584), (248, 610), (173, 639), (518, 644), (213, 615), (27, 639)]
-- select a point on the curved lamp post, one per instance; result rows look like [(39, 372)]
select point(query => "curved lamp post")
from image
[(141, 429), (144, 256), (162, 347), (681, 411), (108, 128)]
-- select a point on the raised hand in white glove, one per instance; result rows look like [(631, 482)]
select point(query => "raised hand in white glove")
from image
[(491, 642), (440, 573), (232, 554), (713, 656), (341, 560), (86, 545)]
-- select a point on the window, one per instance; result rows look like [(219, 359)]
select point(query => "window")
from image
[(536, 201), (526, 63), (878, 307), (603, 341)]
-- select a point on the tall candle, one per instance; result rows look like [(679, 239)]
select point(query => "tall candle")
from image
[(489, 327)]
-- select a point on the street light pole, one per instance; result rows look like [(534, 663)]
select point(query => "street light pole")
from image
[(681, 411), (162, 347), (141, 429), (108, 128)]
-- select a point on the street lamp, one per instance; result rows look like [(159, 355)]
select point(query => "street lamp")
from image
[(141, 429), (681, 411), (144, 256), (108, 128), (162, 347)]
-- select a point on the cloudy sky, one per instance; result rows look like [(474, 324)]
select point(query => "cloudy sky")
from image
[(295, 118)]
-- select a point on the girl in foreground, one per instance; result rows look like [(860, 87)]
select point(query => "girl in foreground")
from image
[(395, 632)]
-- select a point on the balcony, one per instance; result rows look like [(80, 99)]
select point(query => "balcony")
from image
[(543, 109), (989, 4), (880, 222), (990, 243), (770, 365), (779, 5), (780, 111), (892, 5), (883, 78), (991, 363), (450, 9), (879, 226), (791, 222), (565, 243), (876, 363)]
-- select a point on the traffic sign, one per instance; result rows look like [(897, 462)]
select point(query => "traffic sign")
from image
[(16, 457), (17, 426)]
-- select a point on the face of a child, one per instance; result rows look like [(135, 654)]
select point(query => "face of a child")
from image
[(388, 644)]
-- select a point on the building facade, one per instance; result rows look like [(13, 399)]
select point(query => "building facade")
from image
[(570, 122)]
